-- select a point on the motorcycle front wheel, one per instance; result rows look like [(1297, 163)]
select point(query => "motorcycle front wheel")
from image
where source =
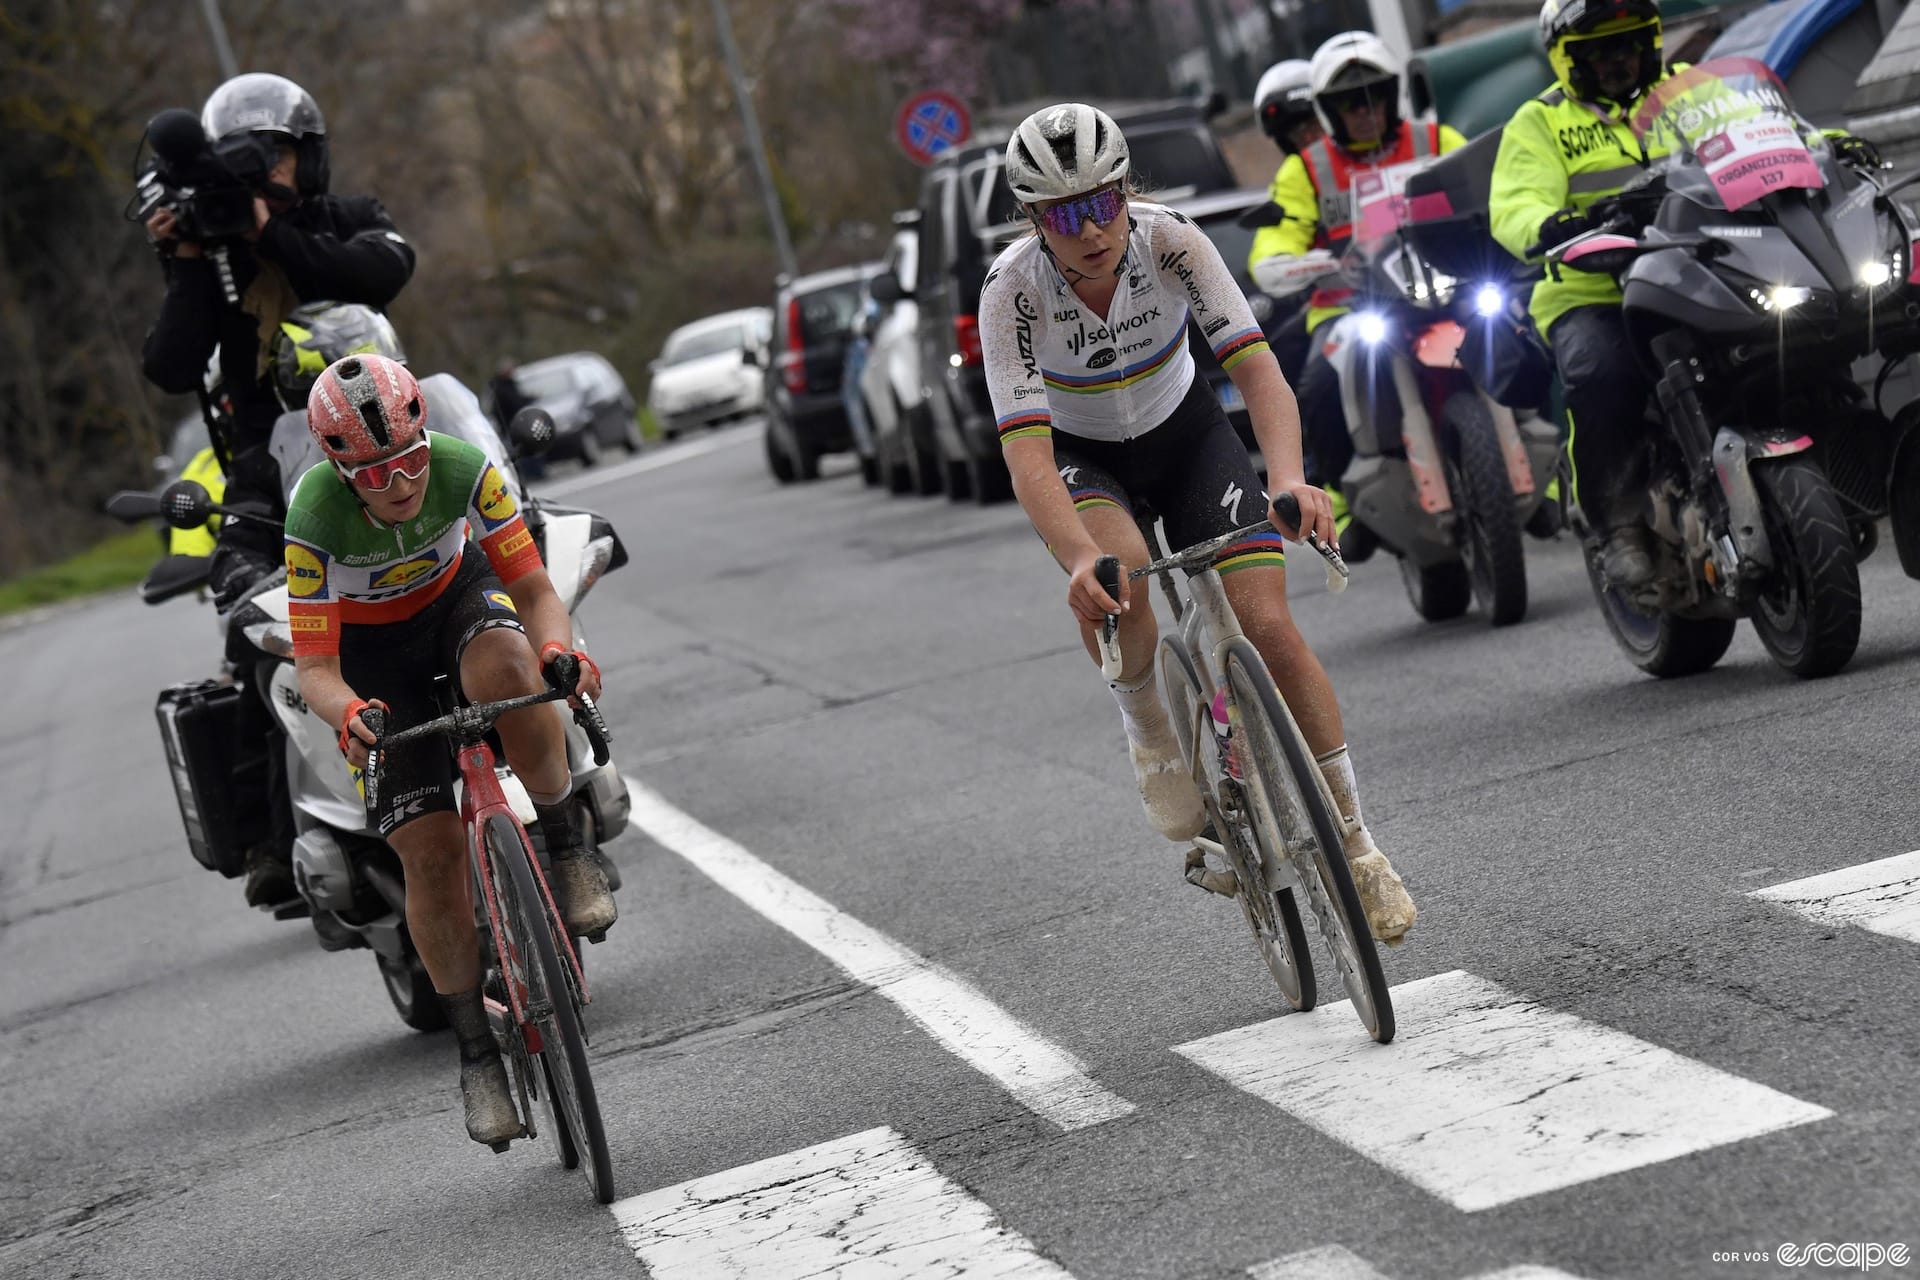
[(1660, 644), (1490, 533), (1808, 610)]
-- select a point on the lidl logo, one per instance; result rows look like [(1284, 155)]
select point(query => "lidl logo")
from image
[(407, 572), (501, 600), (496, 504), (306, 572)]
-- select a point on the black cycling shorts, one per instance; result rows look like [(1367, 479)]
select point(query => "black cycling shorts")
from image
[(1191, 470), (396, 662)]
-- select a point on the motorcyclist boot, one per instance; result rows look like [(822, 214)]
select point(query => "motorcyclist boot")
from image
[(1390, 910), (1625, 558), (269, 876), (1357, 542)]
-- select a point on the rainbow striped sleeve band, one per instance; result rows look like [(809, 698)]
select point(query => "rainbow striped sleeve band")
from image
[(1025, 424), (1238, 346)]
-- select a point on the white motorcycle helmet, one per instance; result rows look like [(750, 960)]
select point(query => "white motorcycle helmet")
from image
[(1065, 150), (1284, 100), (1351, 62)]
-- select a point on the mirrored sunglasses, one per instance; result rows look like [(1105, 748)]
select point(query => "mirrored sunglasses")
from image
[(378, 477), (1102, 207)]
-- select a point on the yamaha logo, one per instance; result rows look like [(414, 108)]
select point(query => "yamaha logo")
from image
[(1102, 358)]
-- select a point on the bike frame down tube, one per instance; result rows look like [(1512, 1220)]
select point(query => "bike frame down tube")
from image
[(1208, 610), (480, 799)]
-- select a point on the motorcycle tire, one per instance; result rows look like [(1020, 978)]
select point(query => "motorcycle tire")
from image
[(1808, 612), (1660, 644), (412, 993), (1439, 591), (1489, 536)]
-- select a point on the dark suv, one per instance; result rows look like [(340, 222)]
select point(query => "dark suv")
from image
[(812, 319), (967, 216)]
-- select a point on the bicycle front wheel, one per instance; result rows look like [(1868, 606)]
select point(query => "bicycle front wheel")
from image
[(563, 1051), (1284, 790)]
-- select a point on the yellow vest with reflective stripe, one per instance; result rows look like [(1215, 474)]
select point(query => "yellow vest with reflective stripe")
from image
[(199, 541)]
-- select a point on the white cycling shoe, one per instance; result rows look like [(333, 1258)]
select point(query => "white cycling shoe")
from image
[(1166, 789), (1390, 910)]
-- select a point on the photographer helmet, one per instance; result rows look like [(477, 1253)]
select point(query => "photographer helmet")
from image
[(1284, 100), (1351, 63), (261, 103), (1573, 31), (317, 334), (364, 408), (1064, 151)]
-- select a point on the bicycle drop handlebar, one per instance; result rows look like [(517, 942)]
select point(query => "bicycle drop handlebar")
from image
[(470, 723)]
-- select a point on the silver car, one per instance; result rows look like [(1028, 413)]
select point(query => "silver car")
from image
[(589, 401)]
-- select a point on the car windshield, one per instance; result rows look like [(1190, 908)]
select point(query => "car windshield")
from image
[(683, 347), (1162, 163), (827, 313), (545, 384)]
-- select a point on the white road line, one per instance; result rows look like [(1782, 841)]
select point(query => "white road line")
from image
[(1039, 1074), (1328, 1262), (1882, 896), (866, 1206), (1530, 1271), (645, 462), (1486, 1097)]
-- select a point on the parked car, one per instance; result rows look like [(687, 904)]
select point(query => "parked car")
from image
[(812, 319), (708, 372), (591, 406), (892, 386), (967, 216)]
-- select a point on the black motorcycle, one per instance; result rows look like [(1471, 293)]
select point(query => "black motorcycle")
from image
[(1757, 265)]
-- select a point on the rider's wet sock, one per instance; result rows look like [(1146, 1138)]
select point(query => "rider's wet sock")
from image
[(1141, 709), (556, 823), (467, 1015)]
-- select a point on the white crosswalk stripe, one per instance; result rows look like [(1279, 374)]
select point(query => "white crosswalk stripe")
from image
[(1882, 896), (1487, 1097), (1328, 1262), (867, 1205)]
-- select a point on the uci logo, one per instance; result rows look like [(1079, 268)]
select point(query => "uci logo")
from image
[(306, 572), (1102, 358), (406, 572)]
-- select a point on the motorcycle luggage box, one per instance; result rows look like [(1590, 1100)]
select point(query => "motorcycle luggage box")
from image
[(198, 727), (1459, 241)]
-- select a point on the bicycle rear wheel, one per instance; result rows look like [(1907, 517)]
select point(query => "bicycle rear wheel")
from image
[(563, 1051), (1277, 932), (1284, 782)]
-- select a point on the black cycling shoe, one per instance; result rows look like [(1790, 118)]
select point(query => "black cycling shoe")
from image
[(269, 878)]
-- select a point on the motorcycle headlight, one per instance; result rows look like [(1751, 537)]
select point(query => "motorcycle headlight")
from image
[(594, 559), (1489, 300), (1373, 326)]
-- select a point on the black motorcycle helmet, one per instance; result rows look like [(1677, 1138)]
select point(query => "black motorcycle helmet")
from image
[(259, 103)]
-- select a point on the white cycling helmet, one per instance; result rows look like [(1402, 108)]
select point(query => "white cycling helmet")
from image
[(1063, 151), (1284, 99), (1349, 61)]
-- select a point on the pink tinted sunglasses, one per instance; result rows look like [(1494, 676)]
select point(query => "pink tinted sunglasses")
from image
[(1102, 207), (378, 477)]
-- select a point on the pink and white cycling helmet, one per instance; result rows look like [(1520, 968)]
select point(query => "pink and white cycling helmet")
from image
[(365, 407)]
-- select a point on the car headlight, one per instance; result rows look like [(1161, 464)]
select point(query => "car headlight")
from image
[(594, 559)]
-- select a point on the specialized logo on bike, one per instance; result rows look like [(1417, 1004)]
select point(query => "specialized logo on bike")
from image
[(406, 573), (496, 505), (306, 572), (1085, 337)]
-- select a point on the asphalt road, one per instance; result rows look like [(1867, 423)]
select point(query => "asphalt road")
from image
[(907, 987)]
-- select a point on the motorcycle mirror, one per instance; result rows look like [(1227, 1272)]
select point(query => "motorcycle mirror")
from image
[(132, 506), (531, 431), (1269, 214), (185, 504)]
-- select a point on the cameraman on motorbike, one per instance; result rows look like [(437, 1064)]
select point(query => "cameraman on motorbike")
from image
[(1354, 80), (304, 245), (1284, 102)]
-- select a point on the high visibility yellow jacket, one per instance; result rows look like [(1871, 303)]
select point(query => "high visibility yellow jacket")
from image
[(1313, 187), (205, 468), (1561, 153)]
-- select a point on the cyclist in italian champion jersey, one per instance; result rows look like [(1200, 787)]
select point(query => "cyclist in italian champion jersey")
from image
[(407, 558), (1083, 326)]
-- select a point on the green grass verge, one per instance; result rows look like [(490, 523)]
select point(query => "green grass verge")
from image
[(649, 427), (120, 561)]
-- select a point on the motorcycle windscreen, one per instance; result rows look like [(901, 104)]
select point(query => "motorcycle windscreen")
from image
[(1731, 133)]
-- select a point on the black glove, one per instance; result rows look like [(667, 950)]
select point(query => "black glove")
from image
[(1562, 227), (1856, 150), (233, 571)]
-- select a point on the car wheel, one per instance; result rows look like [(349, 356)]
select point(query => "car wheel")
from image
[(630, 435), (777, 460), (588, 450)]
